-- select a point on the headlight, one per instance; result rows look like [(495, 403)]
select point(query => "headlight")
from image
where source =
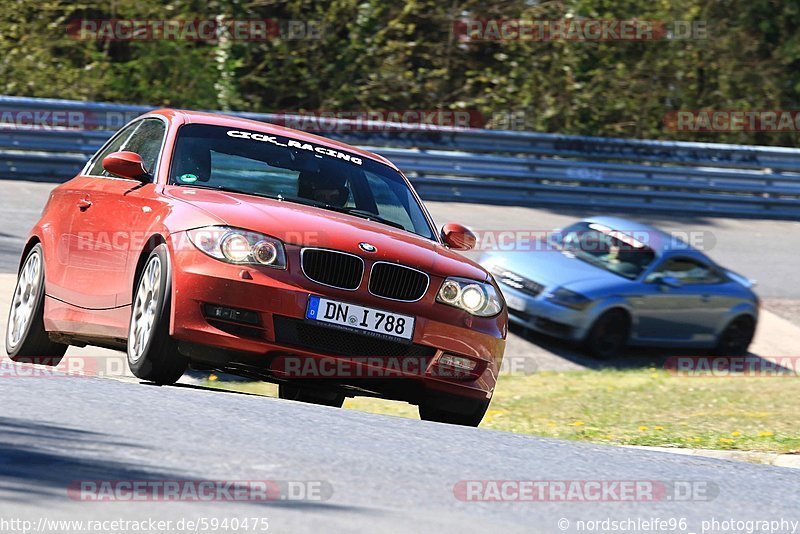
[(569, 299), (473, 297), (234, 245)]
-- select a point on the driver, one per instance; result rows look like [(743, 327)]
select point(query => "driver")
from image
[(328, 189), (622, 259), (613, 255)]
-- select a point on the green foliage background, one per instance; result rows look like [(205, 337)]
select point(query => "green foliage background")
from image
[(389, 55)]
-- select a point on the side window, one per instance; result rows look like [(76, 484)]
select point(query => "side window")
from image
[(688, 271), (143, 137), (146, 141), (115, 146)]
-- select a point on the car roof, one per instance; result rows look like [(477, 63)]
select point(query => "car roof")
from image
[(217, 119), (625, 226), (661, 242)]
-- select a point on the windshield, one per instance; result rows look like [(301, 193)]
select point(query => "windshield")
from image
[(605, 248), (244, 161)]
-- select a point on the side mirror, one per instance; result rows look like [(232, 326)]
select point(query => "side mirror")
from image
[(458, 237), (127, 165)]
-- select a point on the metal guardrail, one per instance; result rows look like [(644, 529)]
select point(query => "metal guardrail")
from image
[(472, 165)]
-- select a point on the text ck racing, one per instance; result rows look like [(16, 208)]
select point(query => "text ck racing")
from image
[(295, 144)]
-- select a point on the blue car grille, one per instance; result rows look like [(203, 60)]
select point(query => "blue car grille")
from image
[(517, 281)]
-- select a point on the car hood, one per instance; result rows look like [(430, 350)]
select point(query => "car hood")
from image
[(553, 268), (309, 226)]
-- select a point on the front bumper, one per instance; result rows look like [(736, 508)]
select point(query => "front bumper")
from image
[(279, 298), (543, 316)]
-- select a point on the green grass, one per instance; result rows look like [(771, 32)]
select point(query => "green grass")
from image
[(630, 407)]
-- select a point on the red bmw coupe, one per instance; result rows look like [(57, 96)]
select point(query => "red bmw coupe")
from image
[(201, 240)]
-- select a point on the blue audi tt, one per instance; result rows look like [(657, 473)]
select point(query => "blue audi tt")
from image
[(608, 282)]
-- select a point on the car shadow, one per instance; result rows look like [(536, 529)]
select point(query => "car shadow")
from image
[(648, 215), (631, 357), (45, 460), (200, 387)]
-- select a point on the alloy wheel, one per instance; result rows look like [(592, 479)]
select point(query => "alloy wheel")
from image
[(145, 309), (23, 303)]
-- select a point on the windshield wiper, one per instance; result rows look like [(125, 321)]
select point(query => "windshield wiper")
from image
[(372, 217), (368, 215), (363, 214)]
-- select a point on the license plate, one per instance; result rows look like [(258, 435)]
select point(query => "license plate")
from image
[(515, 303), (352, 316)]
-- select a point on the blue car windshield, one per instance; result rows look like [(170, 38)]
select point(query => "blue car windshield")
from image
[(605, 248), (238, 160)]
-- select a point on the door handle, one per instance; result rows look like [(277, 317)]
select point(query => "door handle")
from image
[(705, 298), (84, 204)]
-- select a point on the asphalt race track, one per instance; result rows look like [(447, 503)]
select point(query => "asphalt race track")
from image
[(385, 474), (378, 473)]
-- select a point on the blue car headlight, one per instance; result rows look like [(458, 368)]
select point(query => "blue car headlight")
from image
[(569, 299)]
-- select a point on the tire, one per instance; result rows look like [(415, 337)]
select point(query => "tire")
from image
[(736, 337), (608, 335), (311, 396), (474, 416), (26, 339), (152, 353)]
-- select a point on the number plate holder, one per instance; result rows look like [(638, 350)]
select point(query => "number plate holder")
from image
[(360, 319)]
